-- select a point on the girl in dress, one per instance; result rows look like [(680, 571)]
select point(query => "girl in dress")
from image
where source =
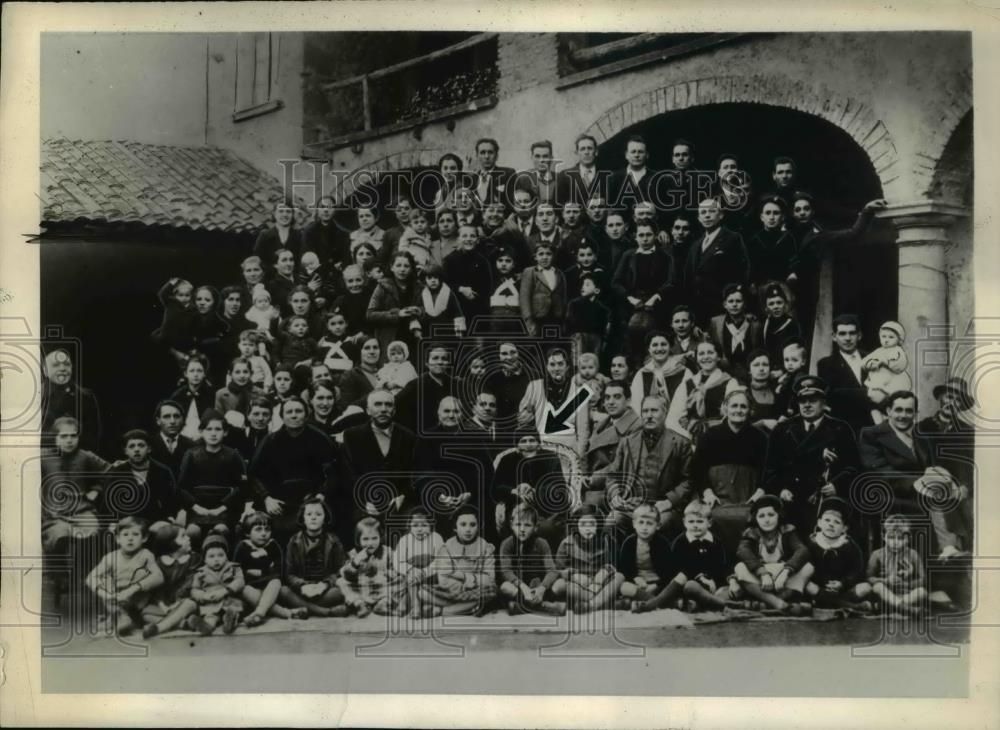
[(369, 579), (463, 572), (773, 565)]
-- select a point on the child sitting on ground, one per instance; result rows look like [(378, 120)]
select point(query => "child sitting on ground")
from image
[(171, 603), (646, 566), (527, 570), (838, 566), (773, 565), (368, 579), (398, 371), (260, 558), (588, 579), (313, 560), (216, 588), (123, 578), (415, 552), (886, 367), (464, 571), (895, 570), (701, 563)]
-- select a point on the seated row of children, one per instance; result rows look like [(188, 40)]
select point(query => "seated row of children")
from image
[(166, 586)]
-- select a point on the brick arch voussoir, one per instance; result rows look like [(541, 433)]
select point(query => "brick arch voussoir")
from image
[(853, 116)]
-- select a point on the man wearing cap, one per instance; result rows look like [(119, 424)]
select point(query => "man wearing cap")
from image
[(63, 397), (951, 431), (908, 464), (844, 374), (810, 457)]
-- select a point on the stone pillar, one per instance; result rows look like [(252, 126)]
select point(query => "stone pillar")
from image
[(923, 239)]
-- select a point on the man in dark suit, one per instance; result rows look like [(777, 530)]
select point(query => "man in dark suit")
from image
[(547, 231), (376, 454), (633, 183), (490, 182), (810, 457), (482, 424), (621, 423), (168, 446), (584, 180), (843, 374), (717, 258), (652, 466), (542, 182), (901, 457)]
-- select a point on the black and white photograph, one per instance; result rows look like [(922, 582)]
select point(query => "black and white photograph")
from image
[(488, 361)]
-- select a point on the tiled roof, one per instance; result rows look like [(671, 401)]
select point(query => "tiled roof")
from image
[(202, 188)]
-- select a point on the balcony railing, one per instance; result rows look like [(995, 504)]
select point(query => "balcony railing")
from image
[(585, 57), (454, 80)]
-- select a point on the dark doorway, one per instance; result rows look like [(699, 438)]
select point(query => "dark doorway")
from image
[(830, 165)]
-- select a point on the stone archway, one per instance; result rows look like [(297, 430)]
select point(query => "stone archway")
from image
[(856, 118)]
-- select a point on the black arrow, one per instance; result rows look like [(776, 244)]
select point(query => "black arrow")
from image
[(556, 421)]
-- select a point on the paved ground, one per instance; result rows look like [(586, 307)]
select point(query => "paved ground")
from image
[(852, 657)]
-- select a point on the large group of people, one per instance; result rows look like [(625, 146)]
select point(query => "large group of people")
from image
[(542, 391)]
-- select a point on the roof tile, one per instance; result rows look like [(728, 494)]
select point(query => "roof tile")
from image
[(202, 188)]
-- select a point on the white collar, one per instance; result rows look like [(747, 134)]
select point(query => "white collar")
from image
[(707, 537)]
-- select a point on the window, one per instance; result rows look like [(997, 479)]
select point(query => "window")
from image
[(257, 59)]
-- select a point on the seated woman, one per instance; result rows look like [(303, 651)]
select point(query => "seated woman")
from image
[(727, 467), (697, 403)]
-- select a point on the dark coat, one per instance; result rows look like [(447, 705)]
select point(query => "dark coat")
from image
[(363, 462), (848, 398), (795, 462), (77, 402), (707, 273), (156, 500), (158, 452), (659, 553), (268, 242), (882, 452)]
